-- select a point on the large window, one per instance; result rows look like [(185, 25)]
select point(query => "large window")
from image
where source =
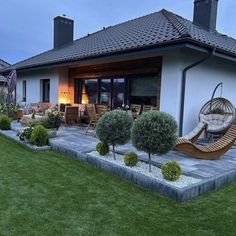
[(143, 90), (115, 92), (45, 85), (105, 92), (118, 92), (24, 91)]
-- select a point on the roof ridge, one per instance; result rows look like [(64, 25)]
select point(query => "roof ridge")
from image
[(176, 23)]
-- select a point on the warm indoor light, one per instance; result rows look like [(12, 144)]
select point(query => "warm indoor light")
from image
[(84, 95), (64, 97)]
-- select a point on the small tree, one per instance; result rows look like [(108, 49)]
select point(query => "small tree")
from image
[(154, 132), (113, 128)]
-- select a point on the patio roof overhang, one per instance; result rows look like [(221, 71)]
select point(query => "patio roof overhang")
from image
[(150, 51)]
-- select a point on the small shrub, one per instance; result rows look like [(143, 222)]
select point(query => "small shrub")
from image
[(171, 170), (154, 132), (131, 159), (113, 128), (5, 122), (102, 149), (39, 136)]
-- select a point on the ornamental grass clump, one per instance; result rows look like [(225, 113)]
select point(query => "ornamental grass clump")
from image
[(102, 149), (131, 159), (171, 171), (5, 122), (39, 136), (154, 132), (113, 128)]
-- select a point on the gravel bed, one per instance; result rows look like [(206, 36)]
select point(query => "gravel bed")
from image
[(143, 168)]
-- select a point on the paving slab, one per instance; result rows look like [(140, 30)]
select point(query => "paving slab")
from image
[(73, 142)]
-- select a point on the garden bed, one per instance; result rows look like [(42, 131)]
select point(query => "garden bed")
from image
[(142, 168)]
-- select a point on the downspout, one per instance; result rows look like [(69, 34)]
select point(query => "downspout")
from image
[(183, 87)]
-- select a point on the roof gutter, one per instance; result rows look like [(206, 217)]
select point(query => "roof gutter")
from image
[(183, 87)]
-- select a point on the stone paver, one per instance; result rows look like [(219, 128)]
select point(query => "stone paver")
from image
[(73, 142), (74, 138)]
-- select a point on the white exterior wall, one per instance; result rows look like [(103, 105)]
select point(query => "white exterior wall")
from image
[(201, 81), (33, 86), (170, 83)]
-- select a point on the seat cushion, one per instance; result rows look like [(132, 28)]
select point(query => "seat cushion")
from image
[(216, 122)]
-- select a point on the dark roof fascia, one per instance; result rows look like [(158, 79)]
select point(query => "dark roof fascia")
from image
[(218, 52), (152, 51)]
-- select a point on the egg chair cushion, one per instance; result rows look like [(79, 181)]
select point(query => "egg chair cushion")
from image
[(216, 122)]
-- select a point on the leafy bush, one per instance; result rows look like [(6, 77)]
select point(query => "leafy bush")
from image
[(171, 170), (102, 149), (5, 122), (131, 159), (25, 133), (154, 132), (113, 128), (39, 136)]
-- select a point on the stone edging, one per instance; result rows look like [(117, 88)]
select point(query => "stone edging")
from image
[(179, 194)]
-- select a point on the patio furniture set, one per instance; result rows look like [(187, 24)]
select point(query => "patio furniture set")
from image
[(216, 119)]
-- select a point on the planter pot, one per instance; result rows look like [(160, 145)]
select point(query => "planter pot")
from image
[(18, 115)]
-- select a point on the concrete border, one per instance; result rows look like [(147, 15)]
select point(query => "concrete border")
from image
[(179, 194)]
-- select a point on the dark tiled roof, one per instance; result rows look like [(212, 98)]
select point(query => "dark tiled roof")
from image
[(3, 64), (151, 30)]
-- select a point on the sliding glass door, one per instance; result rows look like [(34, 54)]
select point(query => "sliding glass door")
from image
[(115, 92)]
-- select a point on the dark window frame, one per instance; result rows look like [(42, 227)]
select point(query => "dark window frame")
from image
[(44, 97), (24, 91), (127, 81)]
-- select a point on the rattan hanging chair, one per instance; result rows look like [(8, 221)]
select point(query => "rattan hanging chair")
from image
[(219, 114)]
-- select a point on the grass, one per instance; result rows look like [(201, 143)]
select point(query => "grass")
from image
[(45, 193)]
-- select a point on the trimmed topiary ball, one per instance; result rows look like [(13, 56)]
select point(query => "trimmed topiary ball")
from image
[(113, 128), (171, 170), (131, 159), (102, 149), (154, 132), (39, 136), (5, 122)]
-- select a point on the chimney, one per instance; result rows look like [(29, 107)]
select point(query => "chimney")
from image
[(63, 31), (205, 14)]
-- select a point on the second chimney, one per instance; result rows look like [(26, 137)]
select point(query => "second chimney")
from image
[(205, 14), (63, 31)]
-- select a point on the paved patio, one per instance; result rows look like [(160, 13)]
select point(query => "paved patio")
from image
[(74, 140)]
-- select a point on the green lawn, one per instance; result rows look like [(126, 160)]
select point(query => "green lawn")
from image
[(45, 193)]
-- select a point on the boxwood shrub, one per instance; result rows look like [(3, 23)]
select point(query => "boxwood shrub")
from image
[(5, 122), (171, 170), (131, 159), (39, 136), (102, 149)]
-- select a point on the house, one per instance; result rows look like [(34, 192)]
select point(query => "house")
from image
[(160, 59), (3, 64)]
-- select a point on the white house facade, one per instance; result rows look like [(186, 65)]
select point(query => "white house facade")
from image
[(160, 59)]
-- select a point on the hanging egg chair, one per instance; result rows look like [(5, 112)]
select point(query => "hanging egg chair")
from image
[(218, 113)]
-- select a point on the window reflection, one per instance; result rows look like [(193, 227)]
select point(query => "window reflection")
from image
[(105, 91)]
